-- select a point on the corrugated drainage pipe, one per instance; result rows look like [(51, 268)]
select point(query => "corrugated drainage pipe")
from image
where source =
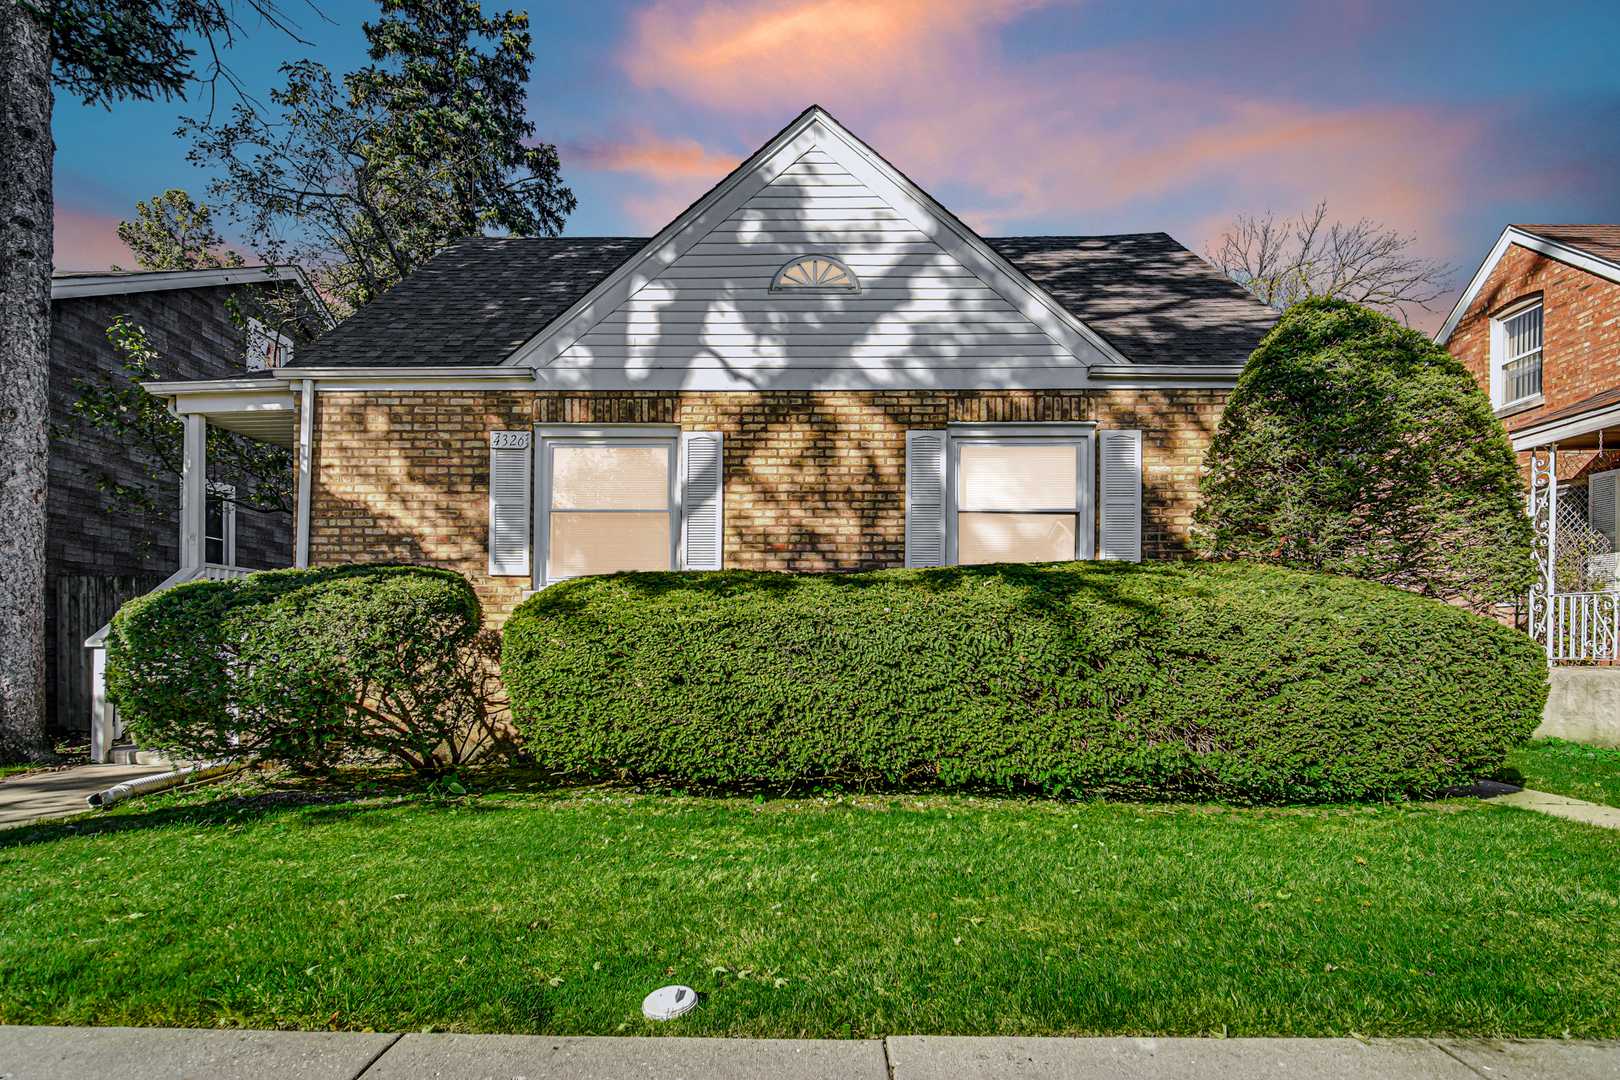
[(146, 785)]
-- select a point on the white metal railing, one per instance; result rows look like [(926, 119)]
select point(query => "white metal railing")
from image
[(1584, 626), (104, 723)]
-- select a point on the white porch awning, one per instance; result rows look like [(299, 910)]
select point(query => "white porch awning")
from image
[(265, 409), (1584, 425)]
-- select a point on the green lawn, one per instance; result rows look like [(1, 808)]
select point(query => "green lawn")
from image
[(556, 911), (1565, 768)]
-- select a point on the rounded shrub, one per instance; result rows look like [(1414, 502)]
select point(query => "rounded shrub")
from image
[(1354, 445), (1232, 680), (305, 665)]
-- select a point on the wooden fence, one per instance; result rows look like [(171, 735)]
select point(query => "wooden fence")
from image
[(83, 606)]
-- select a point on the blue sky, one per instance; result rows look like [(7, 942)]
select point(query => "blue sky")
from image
[(1446, 119)]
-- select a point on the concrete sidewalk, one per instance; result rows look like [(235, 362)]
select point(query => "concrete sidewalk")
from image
[(64, 1053), (61, 793), (1604, 817)]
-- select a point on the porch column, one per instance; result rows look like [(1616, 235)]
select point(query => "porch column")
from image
[(193, 490), (306, 462), (1544, 525)]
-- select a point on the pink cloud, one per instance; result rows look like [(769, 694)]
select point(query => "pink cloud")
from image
[(1092, 134), (767, 54), (88, 240), (657, 158)]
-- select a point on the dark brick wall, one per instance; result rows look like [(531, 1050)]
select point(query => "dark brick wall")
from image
[(195, 340)]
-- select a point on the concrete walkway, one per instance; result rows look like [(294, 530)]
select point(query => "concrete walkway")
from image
[(64, 1053), (1606, 817), (38, 796)]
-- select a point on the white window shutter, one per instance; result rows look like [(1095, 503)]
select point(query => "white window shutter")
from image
[(925, 498), (1601, 502), (702, 499), (509, 491), (1119, 468)]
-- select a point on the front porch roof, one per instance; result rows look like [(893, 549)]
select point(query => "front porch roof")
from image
[(265, 409), (1584, 425)]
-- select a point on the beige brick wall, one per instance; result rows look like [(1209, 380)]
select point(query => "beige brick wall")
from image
[(814, 480)]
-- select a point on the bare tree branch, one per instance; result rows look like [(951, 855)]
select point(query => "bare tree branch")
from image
[(1285, 262)]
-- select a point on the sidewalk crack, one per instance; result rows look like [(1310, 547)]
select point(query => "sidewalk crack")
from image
[(387, 1046), (1460, 1061)]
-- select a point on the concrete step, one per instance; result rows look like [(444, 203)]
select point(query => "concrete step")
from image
[(131, 754)]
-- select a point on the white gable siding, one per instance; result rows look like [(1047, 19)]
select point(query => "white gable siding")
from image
[(711, 315)]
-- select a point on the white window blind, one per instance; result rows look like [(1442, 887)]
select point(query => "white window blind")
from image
[(703, 496), (509, 488), (925, 498), (1119, 472), (1017, 503), (1601, 503), (1521, 355)]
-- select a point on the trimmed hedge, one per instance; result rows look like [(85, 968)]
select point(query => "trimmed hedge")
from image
[(1233, 680), (305, 665)]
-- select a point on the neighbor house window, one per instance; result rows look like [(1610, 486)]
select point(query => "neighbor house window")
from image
[(1517, 345), (815, 272), (266, 348), (219, 526)]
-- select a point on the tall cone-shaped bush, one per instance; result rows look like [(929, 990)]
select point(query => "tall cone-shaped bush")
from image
[(1356, 446)]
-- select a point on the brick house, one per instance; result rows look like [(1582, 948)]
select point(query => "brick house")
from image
[(95, 560), (1539, 327), (814, 367)]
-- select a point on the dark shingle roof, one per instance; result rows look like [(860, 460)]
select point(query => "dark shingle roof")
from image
[(1155, 301), (473, 303), (1600, 240), (478, 300)]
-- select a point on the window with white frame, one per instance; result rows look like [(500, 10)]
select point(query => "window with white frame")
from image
[(816, 273), (1019, 500), (266, 348), (987, 493), (1516, 355), (609, 506), (219, 525), (605, 499)]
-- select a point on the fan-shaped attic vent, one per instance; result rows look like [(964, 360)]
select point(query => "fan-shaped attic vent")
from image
[(815, 272)]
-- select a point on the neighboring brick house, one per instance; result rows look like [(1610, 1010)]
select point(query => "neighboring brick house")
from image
[(95, 560), (814, 367), (1539, 326)]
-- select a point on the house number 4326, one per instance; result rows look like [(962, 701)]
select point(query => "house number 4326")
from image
[(509, 440)]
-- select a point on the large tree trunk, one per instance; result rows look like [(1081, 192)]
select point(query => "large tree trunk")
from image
[(25, 344)]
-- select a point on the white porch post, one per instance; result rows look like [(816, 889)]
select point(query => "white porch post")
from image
[(193, 490), (1544, 525), (306, 462)]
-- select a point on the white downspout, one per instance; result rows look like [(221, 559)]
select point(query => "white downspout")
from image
[(306, 463)]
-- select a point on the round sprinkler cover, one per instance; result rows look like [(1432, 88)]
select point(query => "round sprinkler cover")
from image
[(668, 1002)]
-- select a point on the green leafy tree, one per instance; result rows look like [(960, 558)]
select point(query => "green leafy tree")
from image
[(1355, 446), (173, 232), (111, 408), (100, 51), (365, 182)]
